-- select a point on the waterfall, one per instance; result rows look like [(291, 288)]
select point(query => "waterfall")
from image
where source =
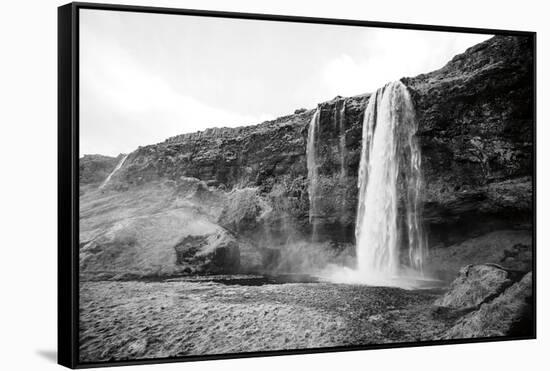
[(390, 182), (313, 164), (117, 167), (342, 128), (313, 171)]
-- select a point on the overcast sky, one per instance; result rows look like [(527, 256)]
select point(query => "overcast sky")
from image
[(146, 77)]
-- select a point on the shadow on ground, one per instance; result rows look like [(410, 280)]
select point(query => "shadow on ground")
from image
[(50, 355)]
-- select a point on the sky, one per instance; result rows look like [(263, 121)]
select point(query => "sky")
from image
[(146, 77)]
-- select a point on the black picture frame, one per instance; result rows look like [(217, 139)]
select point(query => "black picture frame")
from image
[(68, 157)]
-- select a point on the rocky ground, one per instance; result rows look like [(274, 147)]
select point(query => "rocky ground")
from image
[(231, 314), (121, 320)]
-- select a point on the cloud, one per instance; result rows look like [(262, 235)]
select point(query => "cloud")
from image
[(386, 55), (124, 102)]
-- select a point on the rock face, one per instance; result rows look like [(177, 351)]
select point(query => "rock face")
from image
[(476, 132), (476, 135), (499, 303)]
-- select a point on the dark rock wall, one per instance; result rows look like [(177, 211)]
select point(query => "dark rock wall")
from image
[(338, 153), (476, 132), (232, 157), (475, 129)]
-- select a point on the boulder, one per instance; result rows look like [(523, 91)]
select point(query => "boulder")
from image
[(155, 230), (509, 314), (475, 285), (212, 253)]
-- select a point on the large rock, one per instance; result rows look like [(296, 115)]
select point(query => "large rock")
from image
[(509, 314), (159, 229), (475, 285), (211, 253)]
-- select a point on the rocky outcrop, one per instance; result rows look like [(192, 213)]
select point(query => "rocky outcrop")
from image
[(498, 302), (476, 135), (158, 230), (475, 285)]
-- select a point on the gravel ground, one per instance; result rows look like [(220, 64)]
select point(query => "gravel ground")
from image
[(137, 320)]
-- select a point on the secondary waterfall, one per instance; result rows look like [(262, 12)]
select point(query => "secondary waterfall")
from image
[(117, 167), (390, 183), (331, 148), (313, 171), (342, 128)]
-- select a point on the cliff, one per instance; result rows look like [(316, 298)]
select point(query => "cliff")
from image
[(476, 132), (476, 135)]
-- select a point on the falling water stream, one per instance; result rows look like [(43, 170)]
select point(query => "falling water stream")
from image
[(342, 144), (389, 187), (117, 167), (313, 172), (390, 244)]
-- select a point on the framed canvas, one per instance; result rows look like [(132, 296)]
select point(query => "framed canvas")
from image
[(237, 185)]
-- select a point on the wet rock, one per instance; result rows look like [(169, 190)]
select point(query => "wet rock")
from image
[(214, 253), (475, 285)]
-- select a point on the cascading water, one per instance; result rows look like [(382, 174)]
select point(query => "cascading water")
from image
[(117, 168), (318, 214), (389, 202), (313, 171), (389, 183), (342, 144)]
